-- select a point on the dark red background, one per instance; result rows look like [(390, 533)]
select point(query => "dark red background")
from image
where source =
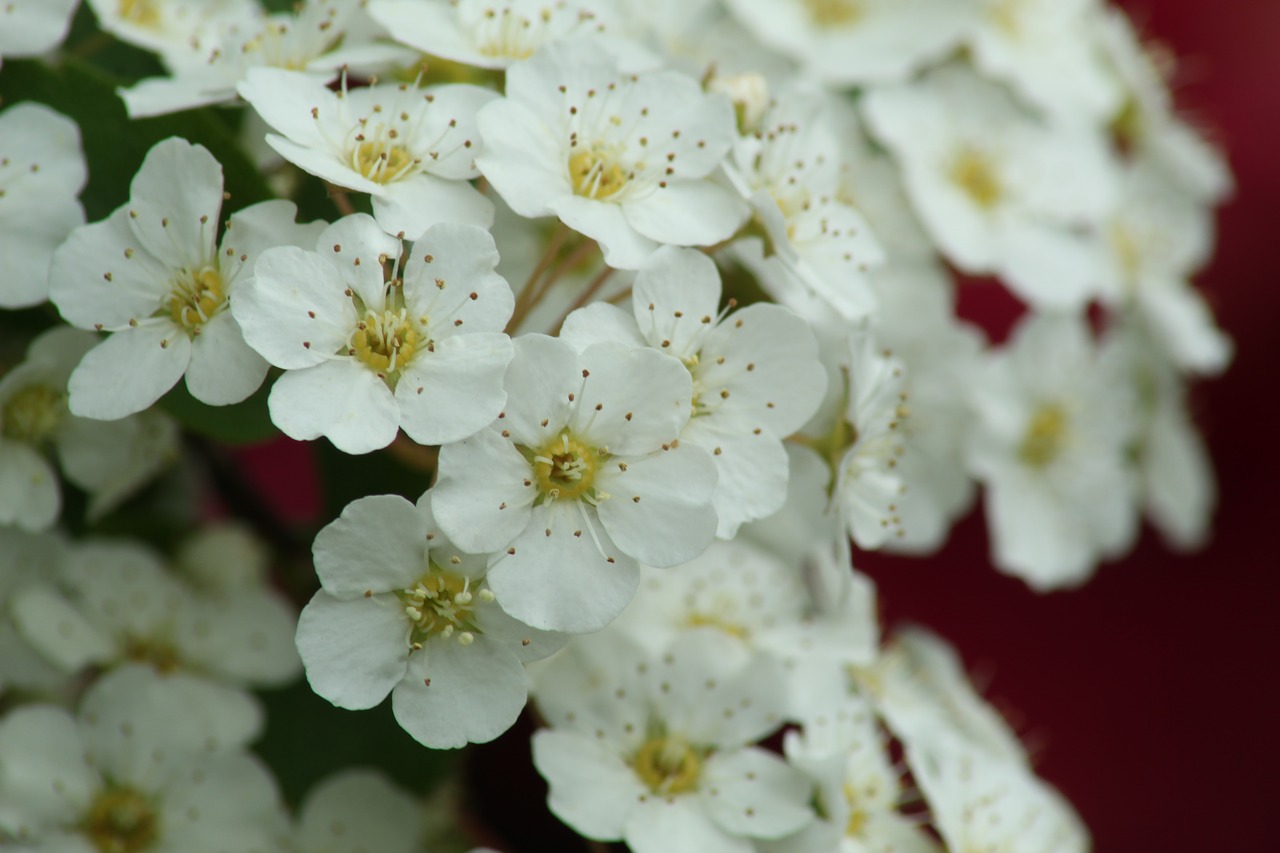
[(1148, 694)]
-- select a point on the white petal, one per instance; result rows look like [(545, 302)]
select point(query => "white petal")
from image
[(566, 574), (756, 794), (44, 778), (177, 196), (599, 323), (294, 311), (359, 810), (592, 788), (354, 651), (341, 399), (542, 374), (29, 494), (480, 499), (659, 510), (223, 369), (226, 803), (378, 544), (454, 694), (678, 825), (60, 632), (687, 213), (624, 247), (632, 400), (751, 472), (413, 205), (129, 371), (246, 636), (455, 391), (522, 159)]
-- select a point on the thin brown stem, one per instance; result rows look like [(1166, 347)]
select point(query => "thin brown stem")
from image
[(341, 201), (525, 298), (585, 296)]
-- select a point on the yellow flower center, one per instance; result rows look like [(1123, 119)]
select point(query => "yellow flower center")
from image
[(667, 765), (1006, 15), (442, 604), (141, 12), (1046, 436), (1128, 124), (712, 620), (121, 821), (565, 469), (32, 414), (154, 652), (835, 13), (597, 172), (382, 162), (385, 342), (195, 300), (974, 173)]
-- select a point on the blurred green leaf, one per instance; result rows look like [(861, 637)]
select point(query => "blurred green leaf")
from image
[(307, 739), (115, 145), (247, 422)]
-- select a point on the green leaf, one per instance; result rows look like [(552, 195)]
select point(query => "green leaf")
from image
[(248, 422), (115, 145)]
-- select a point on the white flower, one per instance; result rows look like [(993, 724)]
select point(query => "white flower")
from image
[(358, 810), (756, 374), (581, 476), (318, 36), (626, 159), (1049, 52), (30, 27), (1146, 119), (658, 751), (775, 609), (154, 277), (867, 483), (1055, 425), (169, 27), (920, 688), (42, 171), (940, 355), (402, 611), (412, 149), (858, 790), (790, 171), (111, 603), (997, 190), (1157, 237), (1179, 493), (110, 461), (846, 42), (148, 764), (376, 336), (27, 557), (489, 33), (982, 803)]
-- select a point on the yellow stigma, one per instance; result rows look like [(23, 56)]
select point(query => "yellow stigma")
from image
[(442, 604), (32, 414), (195, 300), (835, 13), (1128, 124), (974, 173), (1046, 436), (141, 12), (154, 652), (712, 620), (121, 821), (386, 343), (597, 173), (1006, 15), (381, 162), (667, 765), (565, 469)]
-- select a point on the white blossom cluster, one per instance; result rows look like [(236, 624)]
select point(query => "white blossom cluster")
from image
[(665, 294)]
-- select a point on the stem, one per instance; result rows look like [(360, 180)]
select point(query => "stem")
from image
[(525, 299), (340, 201), (91, 45), (585, 295)]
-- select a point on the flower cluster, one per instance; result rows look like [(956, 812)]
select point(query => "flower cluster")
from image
[(653, 306)]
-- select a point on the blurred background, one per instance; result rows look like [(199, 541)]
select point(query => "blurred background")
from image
[(1147, 695)]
